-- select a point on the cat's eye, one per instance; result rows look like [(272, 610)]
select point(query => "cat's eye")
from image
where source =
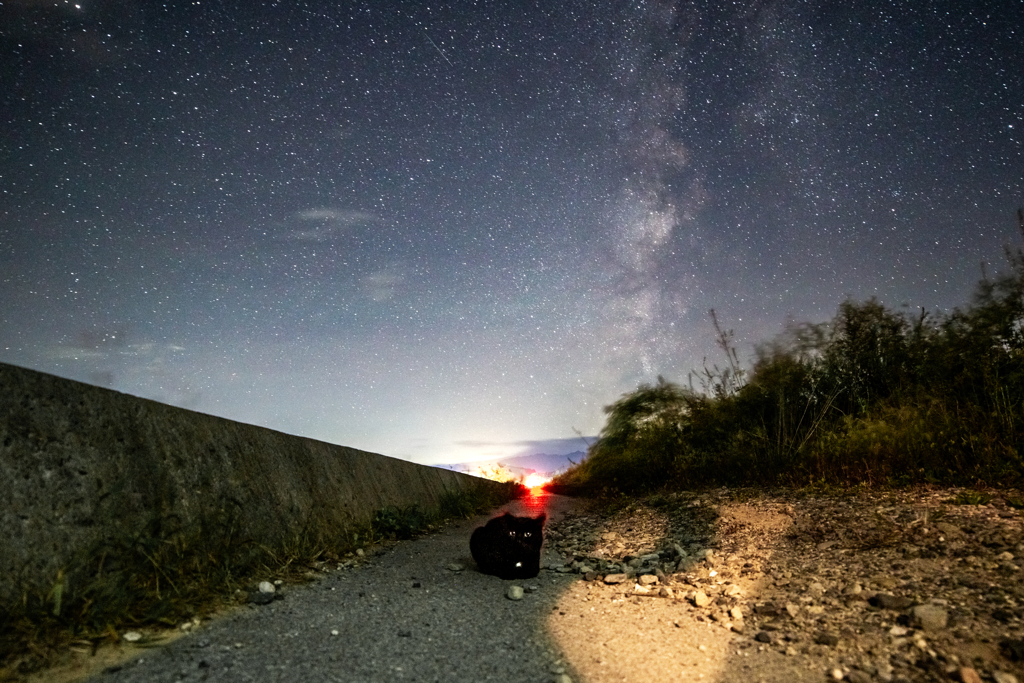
[(526, 534)]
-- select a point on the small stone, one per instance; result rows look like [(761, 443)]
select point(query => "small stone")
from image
[(616, 578), (1005, 557), (609, 536), (736, 613), (764, 637), (360, 552), (648, 579), (532, 588), (897, 631), (266, 587), (732, 590), (888, 601), (640, 590), (837, 674), (1013, 648), (853, 589), (666, 592), (858, 676), (334, 631), (700, 599), (514, 593), (969, 675), (792, 610), (132, 636), (816, 589), (930, 617), (455, 567), (791, 651), (261, 598), (825, 638), (561, 678), (1004, 677), (737, 627)]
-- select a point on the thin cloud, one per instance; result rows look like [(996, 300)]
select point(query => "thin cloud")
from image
[(326, 224)]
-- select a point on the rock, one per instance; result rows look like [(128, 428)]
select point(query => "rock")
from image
[(700, 599), (609, 536), (1005, 557), (1013, 648), (616, 578), (858, 676), (532, 588), (732, 590), (825, 638), (889, 601), (737, 627), (969, 675), (266, 587), (837, 674), (261, 598), (1004, 677), (666, 592), (648, 579), (792, 610), (816, 589), (514, 593), (561, 678), (641, 590), (764, 637), (132, 636), (736, 613), (930, 617), (455, 567), (768, 610)]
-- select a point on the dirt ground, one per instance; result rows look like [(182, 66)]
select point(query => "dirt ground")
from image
[(870, 587)]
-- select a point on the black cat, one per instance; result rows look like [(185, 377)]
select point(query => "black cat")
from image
[(509, 546)]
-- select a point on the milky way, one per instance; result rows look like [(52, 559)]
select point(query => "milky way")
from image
[(455, 232)]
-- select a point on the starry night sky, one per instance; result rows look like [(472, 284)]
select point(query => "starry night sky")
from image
[(456, 231)]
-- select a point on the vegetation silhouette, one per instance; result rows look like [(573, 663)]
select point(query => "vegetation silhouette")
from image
[(874, 397)]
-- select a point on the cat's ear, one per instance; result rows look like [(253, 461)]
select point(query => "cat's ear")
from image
[(541, 517)]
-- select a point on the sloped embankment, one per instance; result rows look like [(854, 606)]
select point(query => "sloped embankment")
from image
[(83, 465)]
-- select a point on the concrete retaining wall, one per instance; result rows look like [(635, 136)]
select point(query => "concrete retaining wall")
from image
[(79, 463)]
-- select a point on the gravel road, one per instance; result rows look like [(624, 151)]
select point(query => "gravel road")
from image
[(404, 615)]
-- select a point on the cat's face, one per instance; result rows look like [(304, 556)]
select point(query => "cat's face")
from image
[(528, 531)]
